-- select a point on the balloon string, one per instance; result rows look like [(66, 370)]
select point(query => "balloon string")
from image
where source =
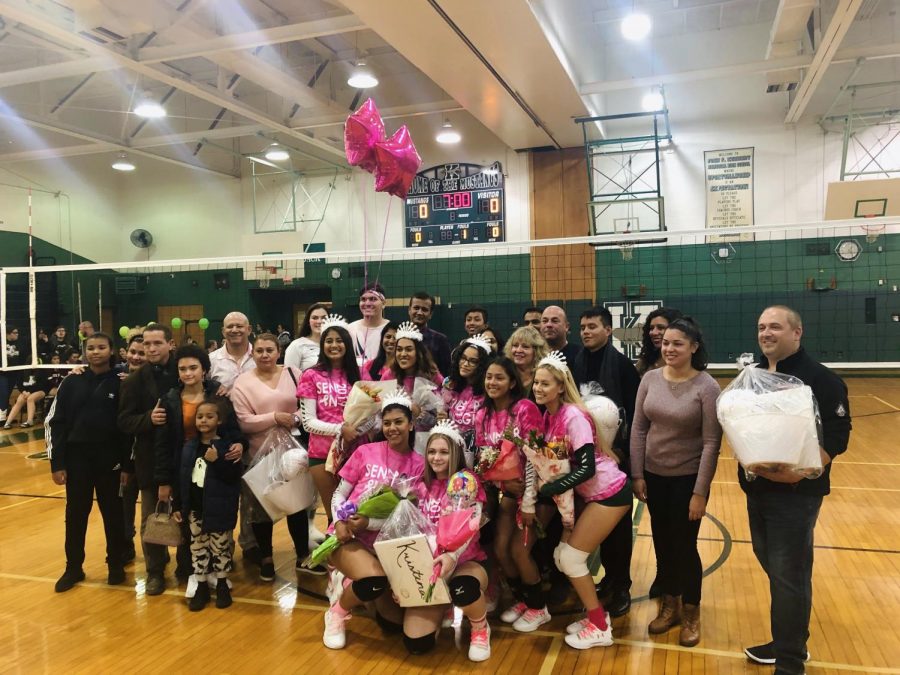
[(387, 217), (365, 240)]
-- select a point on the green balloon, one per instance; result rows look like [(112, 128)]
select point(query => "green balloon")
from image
[(176, 323), (203, 323), (123, 332)]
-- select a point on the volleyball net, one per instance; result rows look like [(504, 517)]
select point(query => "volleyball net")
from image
[(842, 276)]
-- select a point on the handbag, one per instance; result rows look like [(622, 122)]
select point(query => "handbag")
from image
[(162, 528)]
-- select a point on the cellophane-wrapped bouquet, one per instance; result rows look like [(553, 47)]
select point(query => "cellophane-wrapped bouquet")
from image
[(361, 412), (502, 461), (551, 462), (772, 422)]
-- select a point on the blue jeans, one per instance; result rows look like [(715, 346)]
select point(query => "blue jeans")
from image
[(781, 527)]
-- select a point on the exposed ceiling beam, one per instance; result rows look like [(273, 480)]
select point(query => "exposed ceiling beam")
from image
[(837, 28), (19, 11), (848, 55), (257, 38), (55, 71), (105, 143)]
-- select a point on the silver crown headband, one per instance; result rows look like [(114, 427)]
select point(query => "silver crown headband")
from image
[(408, 330)]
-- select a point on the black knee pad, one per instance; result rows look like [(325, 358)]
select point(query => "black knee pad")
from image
[(387, 626), (369, 588), (419, 645), (464, 590)]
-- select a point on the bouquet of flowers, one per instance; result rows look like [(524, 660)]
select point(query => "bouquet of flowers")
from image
[(771, 421), (501, 461), (360, 412), (460, 523), (431, 403), (377, 503), (551, 462)]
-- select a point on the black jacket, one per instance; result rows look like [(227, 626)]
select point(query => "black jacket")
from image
[(221, 487), (619, 379), (830, 393), (82, 423), (140, 392), (169, 438), (439, 346)]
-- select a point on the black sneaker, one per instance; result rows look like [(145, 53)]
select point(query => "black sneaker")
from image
[(764, 654), (253, 555), (267, 571), (201, 597), (308, 567), (618, 604), (116, 576), (69, 578), (223, 594), (156, 585)]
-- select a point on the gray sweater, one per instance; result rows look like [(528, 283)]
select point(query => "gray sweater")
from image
[(675, 430)]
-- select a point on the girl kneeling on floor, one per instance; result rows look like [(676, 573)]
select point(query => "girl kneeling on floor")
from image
[(206, 496), (596, 479), (369, 467), (463, 570)]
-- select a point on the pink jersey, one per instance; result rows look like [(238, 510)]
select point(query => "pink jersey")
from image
[(462, 407), (374, 465), (366, 373), (573, 426), (523, 415), (434, 501), (330, 390)]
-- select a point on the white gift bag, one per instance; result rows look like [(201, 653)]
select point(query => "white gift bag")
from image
[(267, 480)]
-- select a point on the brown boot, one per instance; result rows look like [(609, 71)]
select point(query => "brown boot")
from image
[(669, 615), (690, 625)]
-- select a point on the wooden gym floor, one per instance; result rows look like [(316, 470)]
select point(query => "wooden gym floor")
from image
[(277, 627)]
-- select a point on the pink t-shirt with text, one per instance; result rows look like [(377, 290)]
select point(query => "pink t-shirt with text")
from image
[(330, 390), (462, 407)]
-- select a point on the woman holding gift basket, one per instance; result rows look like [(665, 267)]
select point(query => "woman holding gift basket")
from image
[(323, 392), (265, 398), (501, 426), (675, 442), (361, 503), (565, 461)]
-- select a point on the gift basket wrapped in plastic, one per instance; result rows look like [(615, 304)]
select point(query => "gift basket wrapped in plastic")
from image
[(279, 475), (607, 415), (772, 422)]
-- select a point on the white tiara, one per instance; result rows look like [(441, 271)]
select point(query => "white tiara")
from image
[(332, 320), (396, 397), (447, 428), (555, 359), (408, 330), (479, 341)]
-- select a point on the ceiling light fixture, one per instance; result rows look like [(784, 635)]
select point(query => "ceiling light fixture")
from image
[(653, 100), (362, 77), (147, 107), (276, 153), (122, 163), (448, 135), (636, 26)]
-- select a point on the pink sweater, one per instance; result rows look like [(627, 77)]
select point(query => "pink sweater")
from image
[(255, 404)]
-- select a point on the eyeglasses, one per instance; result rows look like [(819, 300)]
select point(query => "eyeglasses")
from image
[(466, 359)]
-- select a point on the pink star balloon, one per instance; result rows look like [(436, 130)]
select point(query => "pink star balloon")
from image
[(397, 163), (362, 131)]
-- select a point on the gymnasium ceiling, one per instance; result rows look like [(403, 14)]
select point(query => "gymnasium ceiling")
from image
[(236, 75)]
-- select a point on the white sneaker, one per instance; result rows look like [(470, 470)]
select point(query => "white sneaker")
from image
[(2, 415), (480, 644), (577, 626), (531, 620), (590, 636), (512, 614), (335, 636)]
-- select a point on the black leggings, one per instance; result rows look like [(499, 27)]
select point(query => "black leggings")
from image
[(674, 536), (298, 526)]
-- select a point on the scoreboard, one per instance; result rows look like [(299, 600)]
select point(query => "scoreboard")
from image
[(454, 204)]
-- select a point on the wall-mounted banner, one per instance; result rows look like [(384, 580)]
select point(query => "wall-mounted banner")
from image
[(729, 191)]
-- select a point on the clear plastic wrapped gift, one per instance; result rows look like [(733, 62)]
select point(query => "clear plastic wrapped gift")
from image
[(279, 477), (772, 422)]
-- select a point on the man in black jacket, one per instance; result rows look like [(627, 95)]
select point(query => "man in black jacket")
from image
[(782, 506), (139, 415), (599, 368), (421, 306), (87, 454)]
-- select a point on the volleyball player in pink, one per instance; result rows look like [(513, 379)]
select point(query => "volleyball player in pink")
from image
[(596, 479), (323, 391), (464, 569), (371, 466), (507, 410), (463, 390)]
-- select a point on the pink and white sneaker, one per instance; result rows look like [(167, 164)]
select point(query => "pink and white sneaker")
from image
[(480, 644), (590, 636), (531, 620), (511, 614), (578, 626), (335, 635)]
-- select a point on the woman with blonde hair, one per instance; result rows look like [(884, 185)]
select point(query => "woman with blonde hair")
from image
[(526, 347)]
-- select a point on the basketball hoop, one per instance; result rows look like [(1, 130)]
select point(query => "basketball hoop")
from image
[(627, 251), (873, 231), (265, 274)]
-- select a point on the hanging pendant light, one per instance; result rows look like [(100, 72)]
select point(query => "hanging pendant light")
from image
[(362, 77), (149, 108), (276, 153), (448, 135), (122, 163)]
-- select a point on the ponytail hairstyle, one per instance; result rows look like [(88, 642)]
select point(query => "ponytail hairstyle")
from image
[(687, 325)]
